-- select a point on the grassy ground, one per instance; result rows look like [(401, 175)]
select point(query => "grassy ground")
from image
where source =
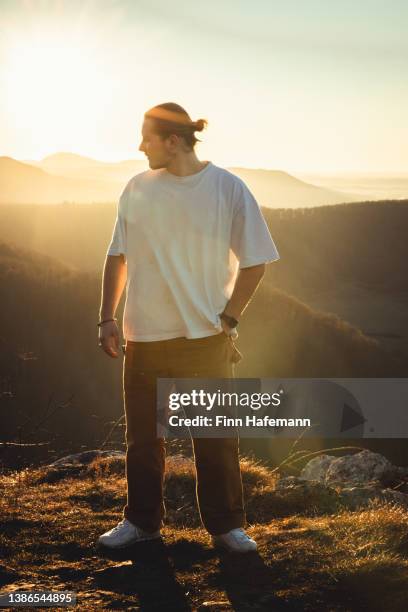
[(308, 561)]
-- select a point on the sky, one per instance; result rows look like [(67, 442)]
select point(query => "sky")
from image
[(316, 86)]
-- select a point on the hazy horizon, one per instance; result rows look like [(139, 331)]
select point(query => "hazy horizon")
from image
[(67, 176), (299, 172)]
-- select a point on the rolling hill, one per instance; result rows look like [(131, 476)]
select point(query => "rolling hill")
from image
[(277, 189), (23, 183), (54, 375), (76, 166), (66, 176), (346, 259)]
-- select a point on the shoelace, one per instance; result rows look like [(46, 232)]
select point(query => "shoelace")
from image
[(119, 525)]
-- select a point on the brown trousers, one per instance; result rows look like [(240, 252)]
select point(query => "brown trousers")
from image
[(219, 485)]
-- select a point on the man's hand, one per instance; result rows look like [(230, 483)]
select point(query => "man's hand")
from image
[(113, 283), (229, 331), (225, 327), (109, 338)]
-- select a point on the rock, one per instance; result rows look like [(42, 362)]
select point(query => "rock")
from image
[(360, 496), (316, 468), (74, 465), (362, 467), (301, 495), (85, 457), (397, 476)]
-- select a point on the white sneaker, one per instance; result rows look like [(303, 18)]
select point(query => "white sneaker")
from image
[(235, 540), (125, 534)]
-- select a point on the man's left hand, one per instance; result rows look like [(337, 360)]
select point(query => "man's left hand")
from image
[(229, 331)]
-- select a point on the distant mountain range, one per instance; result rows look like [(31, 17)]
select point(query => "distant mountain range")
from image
[(22, 183), (71, 165), (368, 186), (69, 177), (277, 189)]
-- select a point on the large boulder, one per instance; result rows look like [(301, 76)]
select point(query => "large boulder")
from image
[(316, 469), (363, 467), (360, 468), (359, 479)]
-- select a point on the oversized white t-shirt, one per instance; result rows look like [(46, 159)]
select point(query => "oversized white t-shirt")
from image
[(184, 240)]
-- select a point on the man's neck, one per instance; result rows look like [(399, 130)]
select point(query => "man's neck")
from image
[(186, 165)]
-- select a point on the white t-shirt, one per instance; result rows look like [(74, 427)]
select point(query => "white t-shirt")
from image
[(184, 239)]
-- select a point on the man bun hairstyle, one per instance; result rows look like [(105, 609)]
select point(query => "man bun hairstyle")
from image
[(200, 124), (170, 118)]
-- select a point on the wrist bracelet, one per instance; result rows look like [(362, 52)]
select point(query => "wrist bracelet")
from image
[(231, 321), (105, 321)]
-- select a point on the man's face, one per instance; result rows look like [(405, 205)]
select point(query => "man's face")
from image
[(159, 152)]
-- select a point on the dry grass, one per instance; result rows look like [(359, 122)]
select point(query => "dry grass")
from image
[(341, 561)]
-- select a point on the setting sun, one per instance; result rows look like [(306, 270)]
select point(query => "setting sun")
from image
[(54, 83)]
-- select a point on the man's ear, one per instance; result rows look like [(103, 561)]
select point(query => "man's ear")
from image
[(174, 140)]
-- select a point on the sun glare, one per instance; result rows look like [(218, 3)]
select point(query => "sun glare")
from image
[(55, 84)]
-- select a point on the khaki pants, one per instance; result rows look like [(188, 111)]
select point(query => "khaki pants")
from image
[(219, 485)]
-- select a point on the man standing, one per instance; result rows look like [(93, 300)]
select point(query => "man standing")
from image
[(191, 245)]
